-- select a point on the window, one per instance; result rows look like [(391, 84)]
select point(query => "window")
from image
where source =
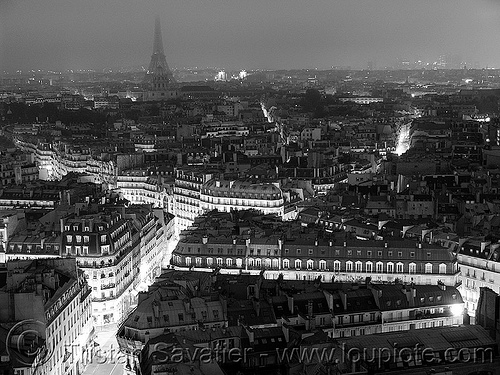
[(390, 267), (369, 267), (348, 266), (310, 264), (359, 266), (442, 268), (428, 268), (181, 317), (399, 267), (322, 265), (286, 263), (412, 268), (298, 263), (336, 265), (310, 251), (380, 267)]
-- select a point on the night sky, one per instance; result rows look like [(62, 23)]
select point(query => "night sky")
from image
[(246, 34)]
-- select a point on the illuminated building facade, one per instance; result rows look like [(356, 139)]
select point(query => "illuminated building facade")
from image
[(303, 259), (49, 298), (226, 196)]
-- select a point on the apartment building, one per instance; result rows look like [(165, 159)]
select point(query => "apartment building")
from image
[(478, 261), (50, 299), (309, 258), (188, 184)]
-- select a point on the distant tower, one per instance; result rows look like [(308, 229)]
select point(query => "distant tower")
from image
[(158, 70)]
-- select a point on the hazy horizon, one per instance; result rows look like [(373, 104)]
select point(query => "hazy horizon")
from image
[(251, 35)]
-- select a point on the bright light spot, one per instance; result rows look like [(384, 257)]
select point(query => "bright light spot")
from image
[(266, 113), (403, 139), (221, 76), (457, 309), (243, 74)]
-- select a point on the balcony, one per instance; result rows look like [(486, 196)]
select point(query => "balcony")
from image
[(103, 299), (108, 286), (364, 323)]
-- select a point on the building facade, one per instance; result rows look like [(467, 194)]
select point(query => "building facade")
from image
[(50, 298), (350, 260)]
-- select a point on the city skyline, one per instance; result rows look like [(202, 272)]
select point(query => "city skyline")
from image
[(239, 35)]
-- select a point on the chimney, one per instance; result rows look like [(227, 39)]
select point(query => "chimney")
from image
[(343, 297), (385, 244), (286, 332), (204, 240), (156, 309), (310, 312), (483, 245), (187, 304), (257, 307), (290, 303), (331, 243), (410, 293), (251, 335)]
